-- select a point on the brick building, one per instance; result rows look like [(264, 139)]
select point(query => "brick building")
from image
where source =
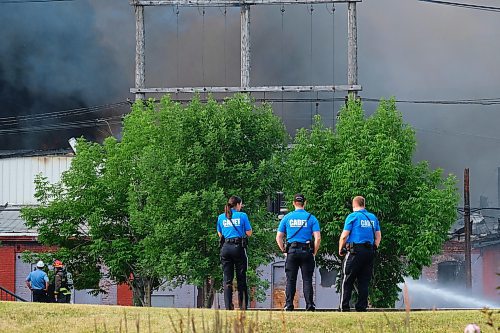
[(18, 170), (448, 268)]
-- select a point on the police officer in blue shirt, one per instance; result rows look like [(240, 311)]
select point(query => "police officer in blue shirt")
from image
[(358, 242), (299, 227), (38, 282), (233, 228)]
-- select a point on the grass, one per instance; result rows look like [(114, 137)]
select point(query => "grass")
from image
[(32, 317)]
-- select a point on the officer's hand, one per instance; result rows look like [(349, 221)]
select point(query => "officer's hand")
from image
[(341, 253)]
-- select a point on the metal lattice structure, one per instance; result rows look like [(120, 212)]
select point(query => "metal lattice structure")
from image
[(141, 90)]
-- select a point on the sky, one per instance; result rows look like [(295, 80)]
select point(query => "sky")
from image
[(64, 55)]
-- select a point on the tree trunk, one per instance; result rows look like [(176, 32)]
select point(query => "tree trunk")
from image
[(208, 287), (206, 294), (142, 290), (199, 297), (138, 293), (147, 292)]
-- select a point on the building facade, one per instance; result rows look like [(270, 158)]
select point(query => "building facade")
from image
[(18, 171)]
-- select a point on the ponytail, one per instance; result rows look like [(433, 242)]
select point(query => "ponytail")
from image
[(227, 210), (231, 203)]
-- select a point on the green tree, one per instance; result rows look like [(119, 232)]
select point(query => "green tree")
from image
[(203, 153), (145, 207), (372, 157), (87, 217)]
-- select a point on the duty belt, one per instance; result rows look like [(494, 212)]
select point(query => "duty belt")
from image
[(302, 246), (233, 240), (366, 245)]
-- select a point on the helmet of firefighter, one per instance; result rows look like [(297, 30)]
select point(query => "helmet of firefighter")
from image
[(58, 263), (40, 264)]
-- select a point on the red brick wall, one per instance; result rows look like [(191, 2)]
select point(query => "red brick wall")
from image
[(34, 247), (8, 266), (8, 252), (124, 295), (451, 251)]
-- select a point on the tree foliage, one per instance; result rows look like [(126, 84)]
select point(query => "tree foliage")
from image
[(145, 207), (372, 157)]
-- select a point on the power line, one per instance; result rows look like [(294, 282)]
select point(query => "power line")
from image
[(31, 1), (11, 120), (64, 126), (480, 101), (98, 108), (90, 108), (117, 120), (456, 134), (464, 5), (7, 121)]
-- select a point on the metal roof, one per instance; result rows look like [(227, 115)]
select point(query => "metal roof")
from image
[(31, 152), (11, 223)]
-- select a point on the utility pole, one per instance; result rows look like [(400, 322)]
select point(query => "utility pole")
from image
[(467, 231), (245, 46), (140, 52)]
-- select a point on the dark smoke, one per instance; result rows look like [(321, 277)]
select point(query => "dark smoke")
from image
[(81, 53), (52, 59)]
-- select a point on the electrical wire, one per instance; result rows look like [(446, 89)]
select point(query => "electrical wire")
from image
[(282, 10), (479, 101), (64, 126), (9, 121), (311, 60), (177, 44), (203, 47), (333, 60), (94, 122), (31, 1), (87, 110), (225, 46), (464, 5), (441, 132), (483, 101)]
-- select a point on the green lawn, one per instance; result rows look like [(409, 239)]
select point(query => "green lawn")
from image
[(32, 317)]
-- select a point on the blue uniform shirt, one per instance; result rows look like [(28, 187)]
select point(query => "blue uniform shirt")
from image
[(360, 227), (240, 221), (292, 222), (37, 279)]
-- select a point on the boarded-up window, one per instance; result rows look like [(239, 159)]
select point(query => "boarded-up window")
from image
[(327, 277), (162, 301), (279, 287), (451, 273)]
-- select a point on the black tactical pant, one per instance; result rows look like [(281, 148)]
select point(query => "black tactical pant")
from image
[(357, 267), (39, 295), (302, 258), (234, 257)]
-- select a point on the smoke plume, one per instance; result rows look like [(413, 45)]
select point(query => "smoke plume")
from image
[(52, 59), (81, 53)]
